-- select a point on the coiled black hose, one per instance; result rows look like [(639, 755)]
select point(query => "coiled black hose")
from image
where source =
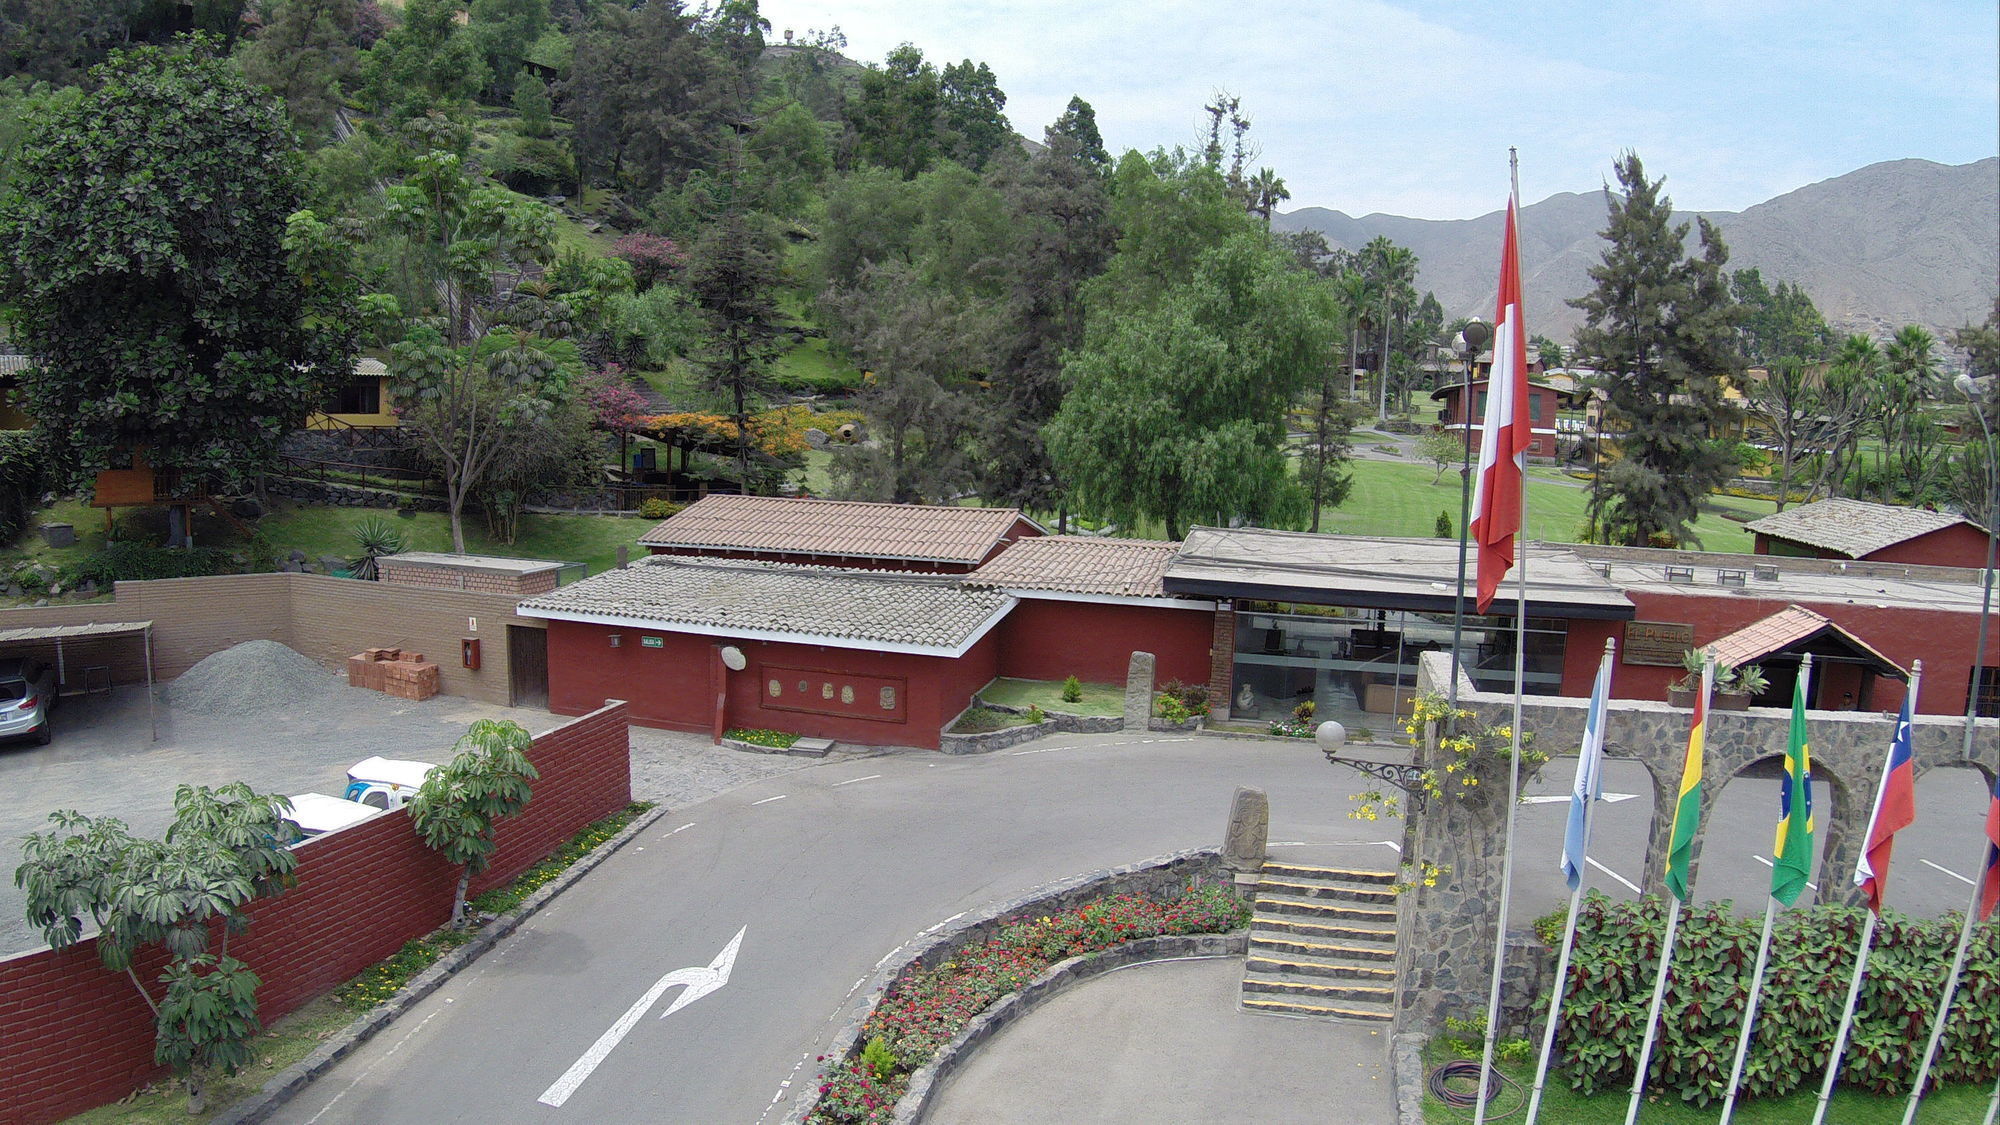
[(1456, 1084)]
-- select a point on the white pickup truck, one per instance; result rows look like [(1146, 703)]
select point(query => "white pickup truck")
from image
[(385, 783)]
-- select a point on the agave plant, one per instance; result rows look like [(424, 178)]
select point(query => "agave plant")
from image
[(375, 537)]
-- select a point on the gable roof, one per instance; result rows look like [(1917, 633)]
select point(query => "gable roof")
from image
[(877, 610), (1793, 625), (837, 528), (1080, 564), (1855, 528)]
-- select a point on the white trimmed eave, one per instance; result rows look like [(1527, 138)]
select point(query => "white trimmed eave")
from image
[(723, 632), (1108, 599)]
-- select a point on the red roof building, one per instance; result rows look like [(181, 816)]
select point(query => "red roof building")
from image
[(842, 533)]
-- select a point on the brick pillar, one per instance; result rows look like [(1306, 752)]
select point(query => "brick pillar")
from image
[(1222, 660)]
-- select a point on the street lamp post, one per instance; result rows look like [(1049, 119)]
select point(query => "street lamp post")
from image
[(1973, 393), (1474, 336)]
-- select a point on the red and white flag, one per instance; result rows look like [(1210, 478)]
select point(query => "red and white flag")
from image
[(1503, 447)]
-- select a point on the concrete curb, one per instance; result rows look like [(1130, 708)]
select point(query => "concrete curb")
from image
[(286, 1084), (1406, 1061), (915, 1105), (1151, 875)]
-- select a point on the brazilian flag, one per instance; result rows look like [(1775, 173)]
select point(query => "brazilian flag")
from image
[(1792, 855)]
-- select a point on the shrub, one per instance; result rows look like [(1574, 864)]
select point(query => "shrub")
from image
[(531, 165), (657, 509), (374, 537), (1192, 697), (1304, 711), (1037, 716), (879, 1059), (23, 476), (1812, 956), (1072, 690), (139, 562), (775, 739)]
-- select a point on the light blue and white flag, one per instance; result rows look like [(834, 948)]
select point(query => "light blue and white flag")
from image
[(1589, 784)]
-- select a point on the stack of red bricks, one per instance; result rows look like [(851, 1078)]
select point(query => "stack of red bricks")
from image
[(405, 675)]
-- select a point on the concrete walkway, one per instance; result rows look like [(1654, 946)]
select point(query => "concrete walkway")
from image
[(1166, 1042)]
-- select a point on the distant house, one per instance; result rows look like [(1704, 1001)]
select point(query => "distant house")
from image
[(363, 402), (1543, 402), (842, 533), (12, 417), (1855, 529)]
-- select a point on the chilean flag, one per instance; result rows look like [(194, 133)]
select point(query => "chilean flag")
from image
[(1989, 887), (1503, 446), (1895, 809)]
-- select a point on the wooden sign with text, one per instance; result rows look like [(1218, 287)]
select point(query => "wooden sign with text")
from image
[(1656, 642)]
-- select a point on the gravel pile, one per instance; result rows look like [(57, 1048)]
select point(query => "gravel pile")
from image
[(251, 679)]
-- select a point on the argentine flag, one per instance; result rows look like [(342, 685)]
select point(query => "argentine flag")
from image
[(1589, 780)]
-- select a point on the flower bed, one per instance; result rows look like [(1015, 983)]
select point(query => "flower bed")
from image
[(927, 1007), (774, 739)]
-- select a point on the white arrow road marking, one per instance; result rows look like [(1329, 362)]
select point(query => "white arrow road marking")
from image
[(699, 980), (1563, 798), (1768, 863)]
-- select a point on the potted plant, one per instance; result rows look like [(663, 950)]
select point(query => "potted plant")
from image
[(1681, 692), (1734, 691)]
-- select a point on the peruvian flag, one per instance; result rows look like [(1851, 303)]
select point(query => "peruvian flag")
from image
[(1503, 447)]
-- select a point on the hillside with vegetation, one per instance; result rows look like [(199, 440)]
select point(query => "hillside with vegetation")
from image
[(615, 255)]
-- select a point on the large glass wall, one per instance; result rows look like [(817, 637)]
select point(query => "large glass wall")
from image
[(1359, 665)]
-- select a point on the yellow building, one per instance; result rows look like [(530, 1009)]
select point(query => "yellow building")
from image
[(364, 402)]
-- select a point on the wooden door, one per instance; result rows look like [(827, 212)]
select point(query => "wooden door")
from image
[(528, 666)]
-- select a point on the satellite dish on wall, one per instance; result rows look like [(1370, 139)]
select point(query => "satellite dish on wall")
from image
[(733, 659)]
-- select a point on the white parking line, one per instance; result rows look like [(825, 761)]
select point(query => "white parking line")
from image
[(678, 831), (1809, 883), (1948, 871), (1634, 887), (768, 800), (852, 780)]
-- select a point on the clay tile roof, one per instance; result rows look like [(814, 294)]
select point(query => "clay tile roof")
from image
[(837, 528), (1854, 528), (1080, 564), (1783, 629), (818, 604), (13, 363)]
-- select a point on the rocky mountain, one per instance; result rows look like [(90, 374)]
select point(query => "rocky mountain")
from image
[(1901, 242)]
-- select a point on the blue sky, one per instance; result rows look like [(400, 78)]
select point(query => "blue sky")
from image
[(1409, 107)]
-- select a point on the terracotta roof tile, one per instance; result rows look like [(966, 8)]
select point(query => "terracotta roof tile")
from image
[(1080, 564), (836, 528), (862, 608), (1789, 626), (1854, 528)]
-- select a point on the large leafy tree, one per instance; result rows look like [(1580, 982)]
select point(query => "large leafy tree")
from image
[(427, 62), (732, 274), (1779, 321), (161, 273), (973, 127), (649, 94), (1199, 335), (1661, 327), (894, 113), (305, 55)]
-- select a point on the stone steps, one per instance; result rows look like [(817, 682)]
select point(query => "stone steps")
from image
[(1322, 944)]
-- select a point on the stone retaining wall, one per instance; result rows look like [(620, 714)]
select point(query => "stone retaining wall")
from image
[(1154, 878), (352, 496)]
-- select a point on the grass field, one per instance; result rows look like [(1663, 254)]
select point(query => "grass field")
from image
[(1399, 498), (1098, 699)]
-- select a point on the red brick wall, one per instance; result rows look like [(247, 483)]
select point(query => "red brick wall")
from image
[(1943, 641), (670, 686), (1222, 659), (1044, 639), (362, 893)]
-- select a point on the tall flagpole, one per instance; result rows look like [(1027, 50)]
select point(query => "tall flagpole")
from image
[(1673, 908), (1944, 1010), (1514, 741), (1764, 941), (1846, 1018), (1569, 924)]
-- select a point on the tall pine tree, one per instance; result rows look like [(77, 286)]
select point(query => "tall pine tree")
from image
[(1661, 328)]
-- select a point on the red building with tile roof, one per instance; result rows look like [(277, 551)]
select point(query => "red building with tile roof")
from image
[(1839, 528)]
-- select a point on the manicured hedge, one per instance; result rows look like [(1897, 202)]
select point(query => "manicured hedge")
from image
[(1812, 957)]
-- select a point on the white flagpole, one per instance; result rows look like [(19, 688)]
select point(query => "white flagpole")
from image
[(1763, 958), (1846, 1017), (1569, 924), (1653, 1013), (1750, 1009), (1673, 926), (1944, 1010), (1514, 743)]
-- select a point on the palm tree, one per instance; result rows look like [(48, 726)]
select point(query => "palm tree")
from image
[(1267, 190), (1393, 270)]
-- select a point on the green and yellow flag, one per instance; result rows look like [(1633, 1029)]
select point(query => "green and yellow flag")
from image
[(1687, 807), (1792, 855)]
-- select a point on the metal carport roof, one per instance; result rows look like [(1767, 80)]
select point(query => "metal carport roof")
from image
[(61, 633)]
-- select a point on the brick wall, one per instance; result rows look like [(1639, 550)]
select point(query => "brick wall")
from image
[(327, 619), (478, 581), (1222, 660), (362, 893)]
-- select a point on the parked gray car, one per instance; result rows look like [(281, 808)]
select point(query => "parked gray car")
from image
[(27, 695)]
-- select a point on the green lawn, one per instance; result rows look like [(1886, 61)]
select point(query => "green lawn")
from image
[(1106, 700), (1399, 498), (1559, 1103), (810, 366), (593, 540)]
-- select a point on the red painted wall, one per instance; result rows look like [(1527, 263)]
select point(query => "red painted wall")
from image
[(1943, 641), (1043, 639), (1958, 545), (362, 893), (670, 686), (1544, 444)]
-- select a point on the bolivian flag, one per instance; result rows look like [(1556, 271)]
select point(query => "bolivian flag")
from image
[(1687, 807), (1792, 855)]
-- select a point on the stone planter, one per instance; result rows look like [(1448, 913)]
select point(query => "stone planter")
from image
[(1680, 697), (1728, 701)]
